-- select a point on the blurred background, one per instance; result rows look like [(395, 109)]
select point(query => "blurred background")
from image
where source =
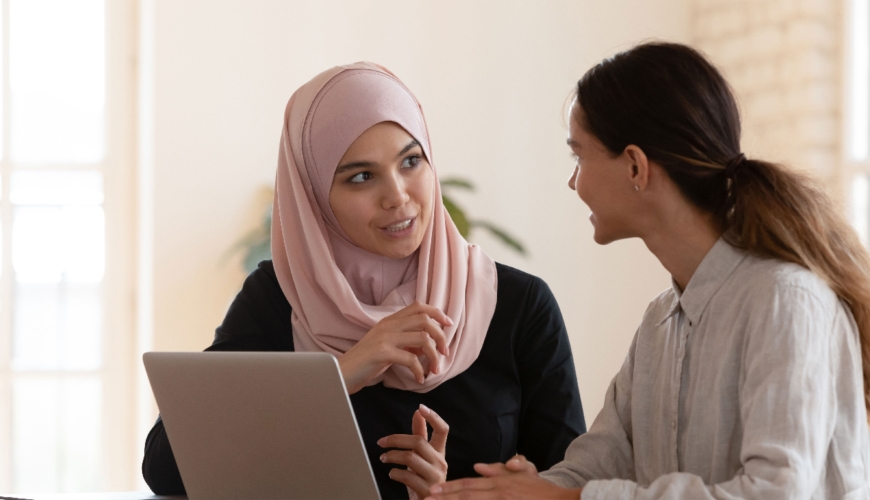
[(138, 141)]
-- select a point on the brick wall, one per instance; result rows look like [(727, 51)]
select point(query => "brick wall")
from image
[(783, 58)]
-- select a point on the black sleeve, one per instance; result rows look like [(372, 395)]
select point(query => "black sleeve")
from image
[(257, 320), (158, 466), (551, 414)]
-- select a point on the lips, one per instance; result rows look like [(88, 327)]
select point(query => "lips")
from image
[(400, 228), (393, 228)]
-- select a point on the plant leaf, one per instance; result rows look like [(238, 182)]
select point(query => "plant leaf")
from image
[(456, 182), (457, 214), (501, 234), (260, 251)]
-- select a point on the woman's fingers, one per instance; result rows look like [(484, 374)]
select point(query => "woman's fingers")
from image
[(407, 445), (411, 480), (432, 311), (519, 463), (425, 324), (425, 464), (418, 424), (516, 465), (410, 360), (398, 339), (440, 429), (427, 318), (423, 342), (491, 470)]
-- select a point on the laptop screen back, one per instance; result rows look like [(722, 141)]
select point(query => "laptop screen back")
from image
[(260, 425)]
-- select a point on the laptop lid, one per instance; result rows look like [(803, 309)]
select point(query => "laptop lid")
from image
[(260, 425)]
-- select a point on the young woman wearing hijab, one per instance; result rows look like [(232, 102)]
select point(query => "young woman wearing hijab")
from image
[(367, 265), (748, 378)]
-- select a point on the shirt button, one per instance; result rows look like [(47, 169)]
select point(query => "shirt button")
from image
[(690, 322), (674, 424)]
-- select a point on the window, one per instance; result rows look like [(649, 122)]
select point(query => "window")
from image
[(65, 211), (857, 107)]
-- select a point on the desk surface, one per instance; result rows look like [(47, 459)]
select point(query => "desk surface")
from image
[(126, 495)]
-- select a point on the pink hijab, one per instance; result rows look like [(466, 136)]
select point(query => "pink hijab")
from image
[(337, 290)]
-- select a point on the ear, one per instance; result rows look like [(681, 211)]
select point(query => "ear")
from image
[(638, 166)]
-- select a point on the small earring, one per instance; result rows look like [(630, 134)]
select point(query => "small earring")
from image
[(636, 188)]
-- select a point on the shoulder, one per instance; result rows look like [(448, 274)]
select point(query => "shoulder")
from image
[(264, 274), (262, 291), (525, 305), (514, 284), (769, 282), (262, 279)]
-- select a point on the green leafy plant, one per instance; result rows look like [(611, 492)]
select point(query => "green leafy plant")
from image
[(465, 224), (257, 243)]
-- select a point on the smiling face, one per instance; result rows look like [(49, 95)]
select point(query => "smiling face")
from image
[(382, 191), (603, 181)]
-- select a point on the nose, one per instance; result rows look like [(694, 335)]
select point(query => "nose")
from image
[(572, 181), (395, 193)]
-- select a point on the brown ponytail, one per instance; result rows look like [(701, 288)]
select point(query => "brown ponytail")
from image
[(671, 102), (781, 214)]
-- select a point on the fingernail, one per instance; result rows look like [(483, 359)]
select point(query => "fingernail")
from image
[(384, 457), (425, 409), (381, 441), (449, 320), (436, 488)]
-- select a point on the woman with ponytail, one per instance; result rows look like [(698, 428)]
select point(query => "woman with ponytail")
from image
[(748, 378)]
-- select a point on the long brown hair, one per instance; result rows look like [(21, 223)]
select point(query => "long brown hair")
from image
[(671, 102)]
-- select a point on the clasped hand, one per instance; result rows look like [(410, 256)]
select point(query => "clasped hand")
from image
[(518, 478), (397, 339)]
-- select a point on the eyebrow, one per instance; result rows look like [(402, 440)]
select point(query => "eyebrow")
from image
[(411, 145), (353, 165), (365, 164)]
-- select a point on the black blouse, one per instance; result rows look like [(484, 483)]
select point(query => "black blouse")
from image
[(519, 396)]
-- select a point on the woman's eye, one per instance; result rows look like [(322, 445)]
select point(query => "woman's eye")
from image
[(360, 177), (412, 161)]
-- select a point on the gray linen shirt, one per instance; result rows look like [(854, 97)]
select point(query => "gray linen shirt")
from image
[(746, 385)]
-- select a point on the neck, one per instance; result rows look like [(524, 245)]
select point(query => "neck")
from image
[(681, 240)]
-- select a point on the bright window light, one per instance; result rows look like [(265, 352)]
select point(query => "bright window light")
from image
[(859, 81), (57, 76)]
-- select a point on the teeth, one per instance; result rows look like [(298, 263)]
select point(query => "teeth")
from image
[(399, 226)]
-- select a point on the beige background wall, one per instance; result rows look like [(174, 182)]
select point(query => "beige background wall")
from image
[(493, 77)]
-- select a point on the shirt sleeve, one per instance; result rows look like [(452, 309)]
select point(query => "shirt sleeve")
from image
[(551, 414), (257, 320), (788, 407), (605, 451)]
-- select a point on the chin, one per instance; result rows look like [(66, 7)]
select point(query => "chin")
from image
[(601, 236), (399, 251)]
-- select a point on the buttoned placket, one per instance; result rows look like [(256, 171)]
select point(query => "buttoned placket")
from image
[(682, 331)]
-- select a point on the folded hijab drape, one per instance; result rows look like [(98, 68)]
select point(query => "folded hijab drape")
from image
[(337, 290)]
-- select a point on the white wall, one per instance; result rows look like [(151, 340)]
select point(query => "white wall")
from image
[(493, 77)]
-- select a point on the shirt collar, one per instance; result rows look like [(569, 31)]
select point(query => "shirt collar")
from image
[(719, 263), (675, 303)]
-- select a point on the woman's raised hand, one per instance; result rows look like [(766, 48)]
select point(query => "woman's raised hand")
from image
[(397, 339), (424, 458)]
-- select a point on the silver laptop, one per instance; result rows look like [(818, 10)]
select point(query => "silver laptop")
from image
[(260, 425)]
